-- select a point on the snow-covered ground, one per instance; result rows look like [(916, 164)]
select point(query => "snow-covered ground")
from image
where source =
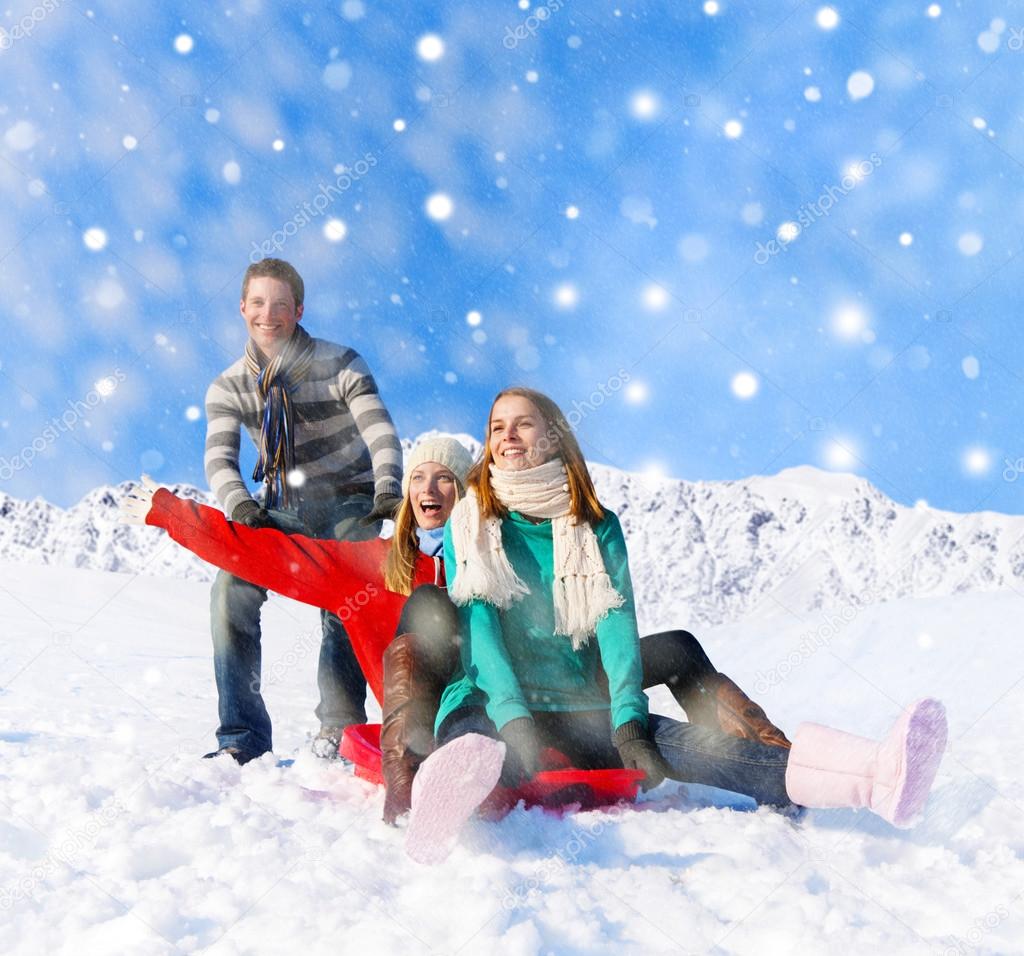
[(117, 838)]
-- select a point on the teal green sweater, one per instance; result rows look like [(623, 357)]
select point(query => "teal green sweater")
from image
[(513, 662)]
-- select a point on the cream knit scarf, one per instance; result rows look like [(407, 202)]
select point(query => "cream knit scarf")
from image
[(583, 592)]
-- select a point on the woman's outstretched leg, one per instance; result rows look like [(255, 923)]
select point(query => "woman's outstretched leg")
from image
[(710, 699), (675, 659), (708, 755), (825, 768)]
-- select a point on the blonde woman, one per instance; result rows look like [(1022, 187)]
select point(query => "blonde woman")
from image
[(539, 571)]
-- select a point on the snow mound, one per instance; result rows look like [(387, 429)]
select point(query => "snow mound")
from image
[(117, 838)]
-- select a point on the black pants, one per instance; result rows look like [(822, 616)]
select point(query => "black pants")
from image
[(585, 737), (431, 616)]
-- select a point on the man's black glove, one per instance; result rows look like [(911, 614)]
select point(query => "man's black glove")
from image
[(252, 515), (522, 758), (638, 752), (384, 506)]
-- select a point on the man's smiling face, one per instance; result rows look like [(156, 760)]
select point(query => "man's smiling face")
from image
[(270, 313)]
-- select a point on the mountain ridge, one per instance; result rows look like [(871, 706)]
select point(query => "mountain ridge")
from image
[(701, 553)]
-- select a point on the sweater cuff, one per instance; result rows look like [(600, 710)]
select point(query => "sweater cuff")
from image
[(159, 503), (387, 488), (502, 713), (244, 509), (630, 730)]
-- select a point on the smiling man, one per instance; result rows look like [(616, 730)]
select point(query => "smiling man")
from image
[(331, 466)]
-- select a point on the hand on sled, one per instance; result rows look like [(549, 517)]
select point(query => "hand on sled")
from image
[(136, 504), (638, 752), (522, 757)]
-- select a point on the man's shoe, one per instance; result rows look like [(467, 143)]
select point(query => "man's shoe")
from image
[(239, 756), (326, 743)]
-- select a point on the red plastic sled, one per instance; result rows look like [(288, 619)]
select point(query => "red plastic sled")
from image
[(558, 788)]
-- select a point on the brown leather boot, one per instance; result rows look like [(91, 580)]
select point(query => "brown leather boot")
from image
[(411, 695), (721, 703)]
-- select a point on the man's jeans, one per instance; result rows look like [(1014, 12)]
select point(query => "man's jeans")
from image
[(696, 754), (235, 623)]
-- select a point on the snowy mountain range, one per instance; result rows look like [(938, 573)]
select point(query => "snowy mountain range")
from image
[(701, 553)]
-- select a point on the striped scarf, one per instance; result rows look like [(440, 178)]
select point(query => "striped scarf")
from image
[(275, 383)]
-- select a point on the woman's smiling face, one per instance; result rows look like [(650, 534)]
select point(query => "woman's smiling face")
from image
[(433, 491), (518, 435)]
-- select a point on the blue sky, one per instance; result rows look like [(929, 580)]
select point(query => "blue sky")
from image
[(734, 237)]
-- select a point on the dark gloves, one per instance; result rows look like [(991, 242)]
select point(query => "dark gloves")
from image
[(522, 758), (384, 506), (638, 752), (252, 515)]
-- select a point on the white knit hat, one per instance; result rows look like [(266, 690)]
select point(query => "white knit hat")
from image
[(445, 451)]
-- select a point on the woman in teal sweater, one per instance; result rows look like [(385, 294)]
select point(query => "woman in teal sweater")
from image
[(550, 657), (516, 665)]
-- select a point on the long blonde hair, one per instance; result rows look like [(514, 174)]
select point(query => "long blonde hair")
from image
[(558, 434), (400, 566)]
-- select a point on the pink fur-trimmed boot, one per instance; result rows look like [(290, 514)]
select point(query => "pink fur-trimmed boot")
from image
[(447, 789), (892, 777)]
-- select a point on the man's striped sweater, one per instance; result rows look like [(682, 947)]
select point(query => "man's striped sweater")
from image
[(345, 441)]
